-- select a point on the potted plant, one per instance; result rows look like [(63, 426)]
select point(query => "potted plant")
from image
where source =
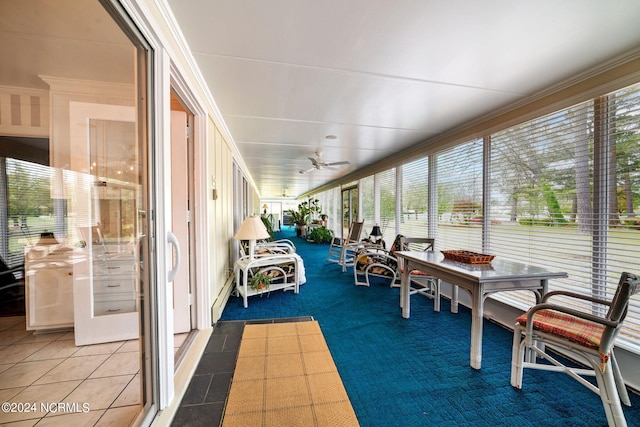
[(260, 282), (267, 220), (300, 217), (320, 235)]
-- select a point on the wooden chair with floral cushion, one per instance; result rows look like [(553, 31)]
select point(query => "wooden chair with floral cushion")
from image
[(579, 334)]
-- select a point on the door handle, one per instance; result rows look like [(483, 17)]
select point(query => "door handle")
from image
[(173, 240)]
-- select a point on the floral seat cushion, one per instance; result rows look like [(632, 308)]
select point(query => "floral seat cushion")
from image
[(572, 328), (276, 274), (377, 265)]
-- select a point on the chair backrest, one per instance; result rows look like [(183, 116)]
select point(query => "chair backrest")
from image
[(417, 243), (355, 231), (628, 286)]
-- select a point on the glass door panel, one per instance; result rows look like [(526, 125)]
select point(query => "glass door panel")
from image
[(106, 202)]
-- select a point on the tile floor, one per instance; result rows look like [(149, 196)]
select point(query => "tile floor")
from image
[(48, 368), (203, 402)]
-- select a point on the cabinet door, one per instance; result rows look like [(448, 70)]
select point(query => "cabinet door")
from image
[(105, 205), (49, 294)]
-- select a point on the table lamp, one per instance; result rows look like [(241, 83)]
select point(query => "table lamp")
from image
[(252, 229), (376, 234), (47, 239)]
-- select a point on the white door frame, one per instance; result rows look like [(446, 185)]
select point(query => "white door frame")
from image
[(167, 75)]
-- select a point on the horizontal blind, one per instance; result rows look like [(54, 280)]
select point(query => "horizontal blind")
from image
[(459, 186), (543, 204), (535, 170), (367, 204), (387, 182), (623, 243), (29, 205), (415, 199)]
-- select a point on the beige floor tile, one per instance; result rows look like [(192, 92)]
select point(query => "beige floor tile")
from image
[(118, 364), (47, 393), (42, 337), (119, 417), (106, 348), (12, 336), (8, 393), (25, 423), (8, 322), (66, 420), (4, 367), (55, 350), (68, 336), (131, 395), (20, 325), (26, 373), (130, 346), (18, 352), (73, 368), (99, 393)]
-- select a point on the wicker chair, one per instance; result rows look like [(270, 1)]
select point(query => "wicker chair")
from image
[(420, 283), (374, 261), (342, 251), (583, 335)]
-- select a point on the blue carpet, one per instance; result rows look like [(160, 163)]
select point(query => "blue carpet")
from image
[(415, 372)]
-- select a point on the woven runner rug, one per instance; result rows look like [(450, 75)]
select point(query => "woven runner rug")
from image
[(285, 376)]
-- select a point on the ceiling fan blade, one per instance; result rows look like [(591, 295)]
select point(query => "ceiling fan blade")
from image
[(314, 161), (308, 170), (337, 163)]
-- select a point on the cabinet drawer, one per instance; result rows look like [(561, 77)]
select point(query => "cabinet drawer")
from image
[(102, 308), (109, 285), (112, 268)]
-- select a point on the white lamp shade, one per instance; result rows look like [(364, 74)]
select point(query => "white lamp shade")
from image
[(252, 228)]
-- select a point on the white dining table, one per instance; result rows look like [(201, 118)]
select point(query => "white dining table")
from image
[(479, 280)]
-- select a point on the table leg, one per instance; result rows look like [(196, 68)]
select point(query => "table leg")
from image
[(454, 298), (476, 327), (405, 300)]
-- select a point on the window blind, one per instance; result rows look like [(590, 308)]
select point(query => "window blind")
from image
[(459, 186), (387, 182), (564, 190), (29, 205), (367, 204), (415, 199)]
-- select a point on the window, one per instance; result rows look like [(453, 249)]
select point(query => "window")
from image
[(459, 184), (367, 204), (550, 178), (415, 199), (387, 182)]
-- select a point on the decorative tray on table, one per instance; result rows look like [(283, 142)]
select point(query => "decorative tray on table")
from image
[(468, 257)]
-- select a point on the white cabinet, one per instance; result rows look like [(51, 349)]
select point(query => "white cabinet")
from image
[(49, 290), (114, 284)]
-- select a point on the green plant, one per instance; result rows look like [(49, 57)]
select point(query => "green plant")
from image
[(306, 210), (260, 282), (267, 220), (301, 215), (320, 235)]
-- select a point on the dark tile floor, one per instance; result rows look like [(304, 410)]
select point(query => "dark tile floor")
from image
[(203, 402)]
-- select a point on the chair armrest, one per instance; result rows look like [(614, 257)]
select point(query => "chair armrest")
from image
[(562, 309), (576, 296)]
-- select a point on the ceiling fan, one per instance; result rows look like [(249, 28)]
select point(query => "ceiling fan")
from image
[(318, 163)]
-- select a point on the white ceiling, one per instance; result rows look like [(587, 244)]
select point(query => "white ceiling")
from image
[(382, 75)]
